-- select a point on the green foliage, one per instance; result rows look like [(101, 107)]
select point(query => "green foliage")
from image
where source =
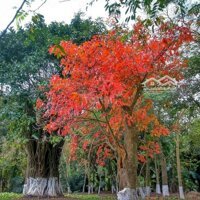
[(25, 64), (12, 164), (83, 30), (71, 175), (9, 196), (195, 135), (76, 181), (152, 8)]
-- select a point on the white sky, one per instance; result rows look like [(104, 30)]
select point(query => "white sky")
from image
[(56, 10), (53, 10)]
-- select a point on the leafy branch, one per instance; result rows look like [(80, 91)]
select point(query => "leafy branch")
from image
[(13, 19)]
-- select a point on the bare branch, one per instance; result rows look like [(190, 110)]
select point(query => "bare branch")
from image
[(40, 5)]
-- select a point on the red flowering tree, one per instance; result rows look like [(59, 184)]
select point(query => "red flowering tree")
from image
[(101, 82)]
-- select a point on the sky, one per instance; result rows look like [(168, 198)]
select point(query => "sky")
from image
[(56, 10), (53, 10)]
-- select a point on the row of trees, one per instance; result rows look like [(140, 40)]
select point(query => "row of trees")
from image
[(100, 94)]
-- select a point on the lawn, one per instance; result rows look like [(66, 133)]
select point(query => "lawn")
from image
[(9, 196), (14, 196)]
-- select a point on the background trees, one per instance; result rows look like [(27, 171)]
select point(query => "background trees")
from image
[(99, 101), (25, 68)]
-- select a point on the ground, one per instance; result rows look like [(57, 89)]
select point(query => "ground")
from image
[(13, 196), (80, 197)]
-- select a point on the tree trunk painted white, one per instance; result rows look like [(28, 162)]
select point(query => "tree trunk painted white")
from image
[(69, 190), (42, 187), (181, 193), (117, 184), (92, 188), (99, 189), (165, 190), (157, 169), (84, 182), (127, 194), (147, 178), (148, 191), (141, 192), (178, 161), (158, 190), (113, 189), (89, 189)]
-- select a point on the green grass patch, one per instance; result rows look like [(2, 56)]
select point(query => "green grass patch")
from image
[(90, 197), (9, 196)]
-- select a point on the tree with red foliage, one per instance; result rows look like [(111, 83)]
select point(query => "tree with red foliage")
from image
[(105, 75)]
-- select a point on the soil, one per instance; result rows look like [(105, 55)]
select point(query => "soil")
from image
[(193, 196)]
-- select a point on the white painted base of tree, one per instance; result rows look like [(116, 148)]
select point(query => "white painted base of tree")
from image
[(42, 187), (141, 193), (99, 190), (113, 189), (181, 193), (127, 194), (158, 190), (117, 188), (165, 190), (89, 189), (148, 191), (69, 190), (92, 189)]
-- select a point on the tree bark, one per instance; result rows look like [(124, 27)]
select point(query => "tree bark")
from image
[(148, 188), (157, 170), (165, 187), (128, 169), (130, 143), (89, 180), (85, 178), (181, 193), (42, 177), (99, 188)]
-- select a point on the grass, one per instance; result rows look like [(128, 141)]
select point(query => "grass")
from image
[(90, 197), (9, 196), (14, 196)]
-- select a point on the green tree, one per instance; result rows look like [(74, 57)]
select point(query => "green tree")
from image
[(25, 67), (130, 8)]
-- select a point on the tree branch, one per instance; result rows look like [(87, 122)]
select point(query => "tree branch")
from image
[(40, 5), (109, 126), (17, 12)]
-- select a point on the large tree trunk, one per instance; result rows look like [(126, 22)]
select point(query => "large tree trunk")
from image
[(181, 193), (42, 177), (128, 167)]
